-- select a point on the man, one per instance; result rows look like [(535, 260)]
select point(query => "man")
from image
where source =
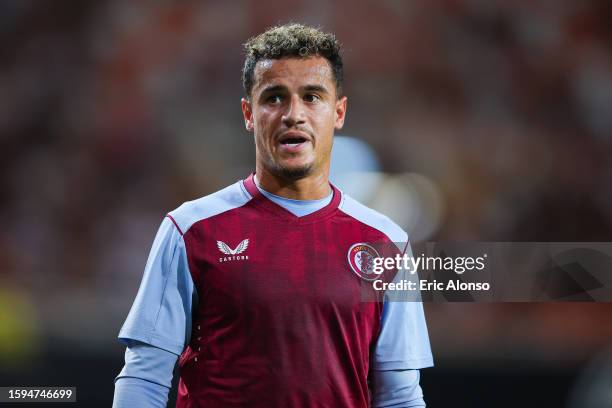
[(251, 285)]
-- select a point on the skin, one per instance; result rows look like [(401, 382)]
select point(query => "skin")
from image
[(294, 97)]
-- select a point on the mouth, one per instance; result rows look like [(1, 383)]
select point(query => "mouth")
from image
[(293, 141)]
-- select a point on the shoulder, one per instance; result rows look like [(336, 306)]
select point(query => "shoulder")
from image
[(372, 218), (190, 212)]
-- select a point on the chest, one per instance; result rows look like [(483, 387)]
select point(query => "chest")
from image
[(263, 264)]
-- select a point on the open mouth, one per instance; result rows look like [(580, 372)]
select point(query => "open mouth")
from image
[(293, 141)]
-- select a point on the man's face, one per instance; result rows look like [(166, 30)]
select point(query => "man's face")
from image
[(293, 110)]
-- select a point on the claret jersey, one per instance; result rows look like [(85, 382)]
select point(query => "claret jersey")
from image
[(278, 319)]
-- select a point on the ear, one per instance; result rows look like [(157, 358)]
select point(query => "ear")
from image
[(247, 113), (340, 112)]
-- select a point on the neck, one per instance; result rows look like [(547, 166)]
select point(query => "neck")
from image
[(312, 187)]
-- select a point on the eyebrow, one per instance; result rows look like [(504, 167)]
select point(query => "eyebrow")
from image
[(316, 88), (282, 88), (271, 89)]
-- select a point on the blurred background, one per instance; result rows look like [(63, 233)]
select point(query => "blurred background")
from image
[(473, 120)]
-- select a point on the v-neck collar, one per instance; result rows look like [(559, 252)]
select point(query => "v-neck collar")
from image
[(265, 203)]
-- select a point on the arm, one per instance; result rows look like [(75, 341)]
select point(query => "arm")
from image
[(397, 388), (134, 392), (401, 350), (159, 323), (146, 377), (161, 313)]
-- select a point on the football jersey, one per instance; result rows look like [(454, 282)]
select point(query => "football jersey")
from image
[(279, 319)]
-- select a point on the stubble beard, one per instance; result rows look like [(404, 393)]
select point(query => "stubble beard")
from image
[(288, 173)]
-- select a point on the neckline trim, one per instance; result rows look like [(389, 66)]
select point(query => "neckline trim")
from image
[(265, 203)]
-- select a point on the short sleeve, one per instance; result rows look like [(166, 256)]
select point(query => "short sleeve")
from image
[(403, 342), (161, 313)]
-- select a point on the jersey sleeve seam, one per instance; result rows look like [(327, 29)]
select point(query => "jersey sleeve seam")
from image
[(168, 268), (175, 223), (379, 229), (153, 339), (187, 226), (411, 364)]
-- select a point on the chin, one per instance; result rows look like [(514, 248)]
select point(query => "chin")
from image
[(292, 172)]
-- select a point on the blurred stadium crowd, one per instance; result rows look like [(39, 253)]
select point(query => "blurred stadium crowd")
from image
[(114, 112)]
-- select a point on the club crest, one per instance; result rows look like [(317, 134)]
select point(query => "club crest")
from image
[(361, 260)]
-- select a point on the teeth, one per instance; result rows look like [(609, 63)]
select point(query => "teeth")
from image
[(292, 143)]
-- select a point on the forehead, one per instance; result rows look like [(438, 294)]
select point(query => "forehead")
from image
[(289, 72)]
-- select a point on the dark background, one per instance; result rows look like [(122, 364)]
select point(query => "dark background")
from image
[(489, 121)]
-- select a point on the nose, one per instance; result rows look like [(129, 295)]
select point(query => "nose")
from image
[(294, 113)]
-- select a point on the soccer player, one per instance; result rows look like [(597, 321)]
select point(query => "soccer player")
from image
[(253, 288)]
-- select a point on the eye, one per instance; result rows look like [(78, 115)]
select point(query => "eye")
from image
[(274, 99), (311, 97)]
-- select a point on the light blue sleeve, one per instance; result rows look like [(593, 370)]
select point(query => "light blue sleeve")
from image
[(403, 341), (397, 388), (135, 392), (146, 377), (161, 313), (149, 363)]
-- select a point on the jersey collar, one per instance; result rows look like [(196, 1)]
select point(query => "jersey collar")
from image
[(263, 202)]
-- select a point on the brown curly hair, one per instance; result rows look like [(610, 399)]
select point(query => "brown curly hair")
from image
[(291, 40)]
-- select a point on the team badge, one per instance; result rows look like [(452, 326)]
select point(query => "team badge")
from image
[(361, 260)]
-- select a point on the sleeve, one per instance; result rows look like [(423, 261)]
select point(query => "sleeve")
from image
[(161, 313), (397, 388), (146, 377), (149, 363), (135, 392), (403, 341)]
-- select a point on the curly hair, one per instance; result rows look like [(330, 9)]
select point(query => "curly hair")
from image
[(291, 40)]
